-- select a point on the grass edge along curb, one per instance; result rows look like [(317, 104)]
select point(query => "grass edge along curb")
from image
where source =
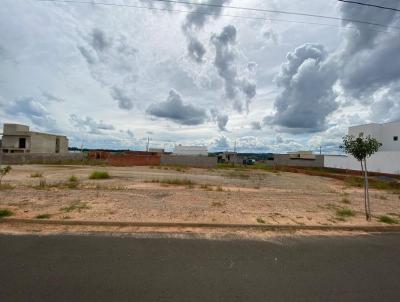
[(264, 227)]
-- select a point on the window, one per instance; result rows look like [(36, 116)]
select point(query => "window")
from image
[(22, 142), (395, 138)]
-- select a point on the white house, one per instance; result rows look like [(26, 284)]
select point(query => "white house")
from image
[(388, 134), (386, 160)]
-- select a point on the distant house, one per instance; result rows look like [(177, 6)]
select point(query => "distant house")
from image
[(386, 160), (18, 139), (190, 150)]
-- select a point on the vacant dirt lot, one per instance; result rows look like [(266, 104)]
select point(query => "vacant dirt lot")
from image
[(192, 195)]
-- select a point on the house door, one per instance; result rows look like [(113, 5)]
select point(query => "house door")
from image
[(22, 143)]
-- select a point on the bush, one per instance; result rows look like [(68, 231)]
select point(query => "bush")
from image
[(345, 213), (387, 219), (5, 213), (43, 216), (72, 178), (99, 175), (36, 174), (260, 220)]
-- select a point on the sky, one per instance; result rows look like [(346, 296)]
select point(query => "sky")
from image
[(110, 76)]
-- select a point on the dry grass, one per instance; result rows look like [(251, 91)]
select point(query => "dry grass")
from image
[(99, 175), (36, 174)]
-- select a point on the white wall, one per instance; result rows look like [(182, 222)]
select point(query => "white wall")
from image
[(382, 161), (384, 133)]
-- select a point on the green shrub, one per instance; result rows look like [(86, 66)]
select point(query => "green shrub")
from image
[(345, 213), (72, 178), (346, 200), (99, 175), (43, 216), (5, 213), (387, 219), (260, 220)]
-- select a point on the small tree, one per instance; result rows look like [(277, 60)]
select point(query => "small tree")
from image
[(3, 172), (361, 148)]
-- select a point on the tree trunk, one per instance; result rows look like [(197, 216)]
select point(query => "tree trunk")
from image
[(366, 190)]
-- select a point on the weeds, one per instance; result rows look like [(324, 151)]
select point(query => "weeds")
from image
[(72, 178), (77, 205), (345, 212), (206, 187), (219, 189), (345, 200), (217, 204), (387, 219), (43, 216), (260, 220), (99, 175), (36, 174), (5, 213), (174, 182)]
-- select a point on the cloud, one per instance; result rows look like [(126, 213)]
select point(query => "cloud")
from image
[(225, 63), (90, 125), (220, 118), (124, 101), (33, 110), (221, 144), (176, 110), (256, 125), (195, 21), (386, 107), (52, 98), (307, 96), (369, 59), (111, 62)]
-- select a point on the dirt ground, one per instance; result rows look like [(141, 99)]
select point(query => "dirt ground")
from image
[(213, 196)]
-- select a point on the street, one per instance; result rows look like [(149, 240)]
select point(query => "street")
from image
[(116, 268)]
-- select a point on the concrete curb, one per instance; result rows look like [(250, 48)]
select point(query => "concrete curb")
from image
[(261, 227)]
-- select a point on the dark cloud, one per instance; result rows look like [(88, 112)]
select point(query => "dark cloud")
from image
[(99, 41), (195, 21), (225, 63), (256, 125), (90, 125), (220, 118), (124, 101), (370, 58), (307, 96), (33, 110), (176, 110)]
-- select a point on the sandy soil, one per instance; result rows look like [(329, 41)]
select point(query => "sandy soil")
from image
[(216, 196)]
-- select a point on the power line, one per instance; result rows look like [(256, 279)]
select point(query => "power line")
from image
[(225, 15), (371, 5), (274, 11)]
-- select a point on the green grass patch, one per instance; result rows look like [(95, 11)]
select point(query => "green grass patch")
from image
[(387, 219), (5, 213), (345, 212), (43, 216), (73, 178), (99, 175), (36, 174), (260, 220)]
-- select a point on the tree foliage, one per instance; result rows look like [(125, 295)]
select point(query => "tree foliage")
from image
[(360, 147)]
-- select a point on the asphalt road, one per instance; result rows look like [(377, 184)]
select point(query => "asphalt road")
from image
[(106, 268)]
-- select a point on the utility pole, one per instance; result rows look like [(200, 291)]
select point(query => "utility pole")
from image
[(148, 143), (320, 150)]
